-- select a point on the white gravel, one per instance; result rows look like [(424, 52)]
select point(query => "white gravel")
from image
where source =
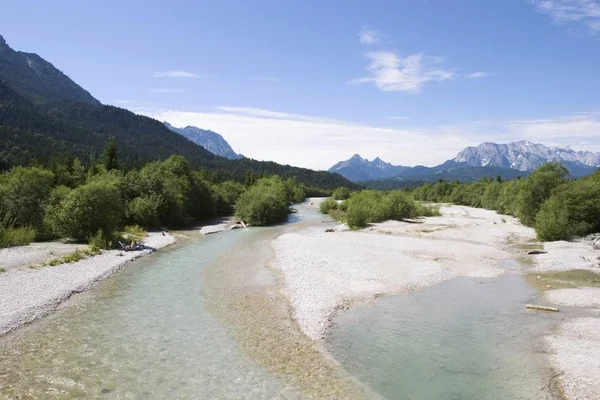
[(323, 271), (575, 351), (34, 253), (26, 295), (579, 297)]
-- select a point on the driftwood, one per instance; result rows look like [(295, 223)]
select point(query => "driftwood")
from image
[(534, 252), (243, 224), (542, 308)]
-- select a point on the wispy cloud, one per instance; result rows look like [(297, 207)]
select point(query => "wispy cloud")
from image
[(176, 74), (369, 36), (273, 79), (167, 90), (398, 118), (578, 13), (479, 74), (392, 73)]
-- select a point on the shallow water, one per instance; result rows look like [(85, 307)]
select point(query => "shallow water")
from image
[(464, 339), (143, 333)]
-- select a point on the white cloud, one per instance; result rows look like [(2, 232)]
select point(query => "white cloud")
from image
[(478, 74), (580, 13), (318, 143), (273, 79), (167, 90), (176, 74), (369, 36), (391, 72)]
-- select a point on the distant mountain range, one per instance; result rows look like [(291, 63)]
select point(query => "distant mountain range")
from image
[(473, 163), (210, 140)]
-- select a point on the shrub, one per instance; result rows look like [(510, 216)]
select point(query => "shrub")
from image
[(22, 194), (88, 209), (399, 206), (326, 205), (144, 211), (263, 203), (341, 193), (358, 215), (573, 210), (537, 188)]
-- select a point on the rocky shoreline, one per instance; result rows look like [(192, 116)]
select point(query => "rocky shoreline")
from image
[(29, 294)]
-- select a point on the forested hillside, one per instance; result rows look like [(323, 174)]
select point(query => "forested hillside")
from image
[(47, 119)]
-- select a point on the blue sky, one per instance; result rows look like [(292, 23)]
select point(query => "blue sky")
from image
[(312, 82)]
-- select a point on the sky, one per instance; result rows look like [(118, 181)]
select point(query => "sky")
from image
[(312, 82)]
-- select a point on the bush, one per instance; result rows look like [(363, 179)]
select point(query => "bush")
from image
[(144, 211), (22, 194), (225, 196), (88, 209), (329, 204), (573, 210), (341, 193), (537, 188), (358, 215), (263, 203), (399, 206)]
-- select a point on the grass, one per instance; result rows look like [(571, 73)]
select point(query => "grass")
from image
[(16, 236), (2, 270), (77, 255), (134, 232)]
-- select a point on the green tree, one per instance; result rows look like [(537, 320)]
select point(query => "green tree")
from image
[(341, 193), (23, 191), (111, 154), (88, 209), (538, 187), (263, 203)]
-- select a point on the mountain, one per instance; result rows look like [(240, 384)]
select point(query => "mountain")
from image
[(47, 118), (473, 163), (357, 168), (210, 140), (35, 78), (527, 156)]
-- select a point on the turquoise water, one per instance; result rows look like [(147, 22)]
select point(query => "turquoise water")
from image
[(464, 339), (143, 333)]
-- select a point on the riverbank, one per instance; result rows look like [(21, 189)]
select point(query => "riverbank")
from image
[(31, 293), (325, 273)]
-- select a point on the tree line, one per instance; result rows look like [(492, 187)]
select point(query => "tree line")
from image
[(95, 203), (557, 207)]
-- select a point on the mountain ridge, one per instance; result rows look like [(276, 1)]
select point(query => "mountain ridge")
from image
[(474, 162), (211, 141), (35, 78)]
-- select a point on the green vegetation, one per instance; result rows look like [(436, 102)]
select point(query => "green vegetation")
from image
[(341, 193), (558, 208), (373, 206), (11, 236), (266, 202), (75, 256)]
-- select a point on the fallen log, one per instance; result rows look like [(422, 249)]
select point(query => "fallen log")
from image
[(542, 308)]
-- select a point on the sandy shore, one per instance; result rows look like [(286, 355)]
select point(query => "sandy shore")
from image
[(325, 273), (28, 294)]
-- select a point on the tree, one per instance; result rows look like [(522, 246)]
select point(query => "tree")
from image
[(88, 209), (538, 187), (264, 203), (111, 154)]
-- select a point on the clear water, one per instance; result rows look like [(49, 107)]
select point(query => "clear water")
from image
[(143, 333), (464, 339)]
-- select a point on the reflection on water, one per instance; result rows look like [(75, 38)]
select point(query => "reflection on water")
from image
[(465, 339), (144, 333)]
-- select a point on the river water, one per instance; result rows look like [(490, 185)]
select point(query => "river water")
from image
[(207, 321)]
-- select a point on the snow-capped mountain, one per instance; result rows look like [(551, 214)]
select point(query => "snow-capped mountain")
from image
[(357, 168), (473, 163), (525, 156), (210, 140)]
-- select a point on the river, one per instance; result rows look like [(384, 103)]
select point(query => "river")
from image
[(208, 320)]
